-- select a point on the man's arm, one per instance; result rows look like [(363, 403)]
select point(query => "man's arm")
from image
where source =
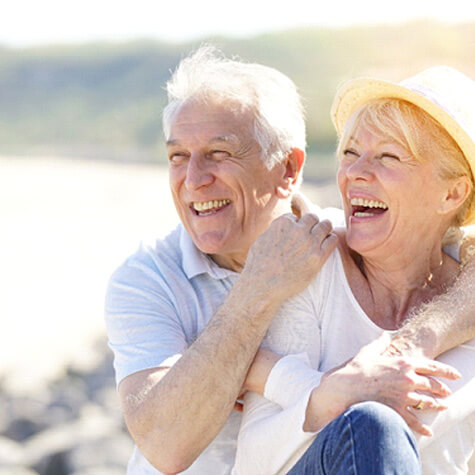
[(173, 414), (443, 323)]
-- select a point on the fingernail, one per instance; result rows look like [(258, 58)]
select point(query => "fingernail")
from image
[(446, 391)]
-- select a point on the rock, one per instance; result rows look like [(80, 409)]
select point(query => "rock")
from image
[(100, 471), (23, 415), (69, 395), (112, 452), (92, 425), (53, 464), (21, 428), (11, 453), (17, 471)]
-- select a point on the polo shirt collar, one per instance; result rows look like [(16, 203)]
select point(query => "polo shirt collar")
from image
[(196, 262)]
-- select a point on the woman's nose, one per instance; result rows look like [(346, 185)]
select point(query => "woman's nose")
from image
[(198, 172), (361, 168)]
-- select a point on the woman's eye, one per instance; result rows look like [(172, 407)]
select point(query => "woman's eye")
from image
[(350, 153), (389, 156)]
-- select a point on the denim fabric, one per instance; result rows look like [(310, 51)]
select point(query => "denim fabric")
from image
[(367, 439)]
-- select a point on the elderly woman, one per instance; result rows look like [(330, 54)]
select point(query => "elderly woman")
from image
[(406, 166)]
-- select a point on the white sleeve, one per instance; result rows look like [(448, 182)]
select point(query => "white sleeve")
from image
[(289, 379), (271, 438)]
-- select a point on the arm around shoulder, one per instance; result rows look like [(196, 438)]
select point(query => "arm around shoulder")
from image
[(443, 323)]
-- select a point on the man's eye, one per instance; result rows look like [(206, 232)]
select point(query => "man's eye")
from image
[(219, 154), (176, 157)]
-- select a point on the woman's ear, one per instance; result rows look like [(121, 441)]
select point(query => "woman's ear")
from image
[(456, 193), (291, 171)]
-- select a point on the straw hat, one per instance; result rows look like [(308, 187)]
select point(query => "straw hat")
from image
[(444, 93)]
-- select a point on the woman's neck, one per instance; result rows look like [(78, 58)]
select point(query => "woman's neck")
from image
[(398, 283)]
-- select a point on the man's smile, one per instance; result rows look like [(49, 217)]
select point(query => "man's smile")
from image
[(204, 208)]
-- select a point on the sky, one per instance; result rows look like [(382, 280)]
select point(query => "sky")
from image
[(26, 23)]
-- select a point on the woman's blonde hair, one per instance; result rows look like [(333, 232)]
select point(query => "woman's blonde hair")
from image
[(420, 134)]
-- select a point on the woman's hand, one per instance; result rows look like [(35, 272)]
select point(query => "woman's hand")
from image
[(401, 383), (284, 259), (260, 368)]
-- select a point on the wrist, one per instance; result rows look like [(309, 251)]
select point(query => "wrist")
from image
[(257, 291), (414, 343), (324, 405)]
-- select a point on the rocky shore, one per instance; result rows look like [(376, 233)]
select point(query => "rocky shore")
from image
[(71, 426)]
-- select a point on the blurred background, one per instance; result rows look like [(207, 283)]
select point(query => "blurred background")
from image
[(83, 176)]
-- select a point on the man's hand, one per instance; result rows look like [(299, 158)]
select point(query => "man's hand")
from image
[(401, 383), (285, 258)]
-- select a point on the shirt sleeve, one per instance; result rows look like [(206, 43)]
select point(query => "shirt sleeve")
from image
[(141, 318), (271, 439), (290, 379)]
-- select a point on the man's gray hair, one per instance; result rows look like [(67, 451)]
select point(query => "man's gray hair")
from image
[(270, 97)]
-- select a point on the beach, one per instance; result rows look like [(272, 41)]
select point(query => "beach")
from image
[(66, 224)]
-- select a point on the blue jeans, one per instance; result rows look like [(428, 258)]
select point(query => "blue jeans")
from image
[(367, 439)]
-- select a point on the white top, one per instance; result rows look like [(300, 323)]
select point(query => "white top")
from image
[(325, 326), (157, 303)]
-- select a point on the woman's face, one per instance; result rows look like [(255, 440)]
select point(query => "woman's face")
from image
[(390, 198)]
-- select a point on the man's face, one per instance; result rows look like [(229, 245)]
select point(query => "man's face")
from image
[(223, 193)]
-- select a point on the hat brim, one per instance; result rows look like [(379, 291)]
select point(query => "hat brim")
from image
[(357, 92)]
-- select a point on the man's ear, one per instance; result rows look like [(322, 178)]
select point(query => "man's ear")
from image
[(456, 194), (291, 171)]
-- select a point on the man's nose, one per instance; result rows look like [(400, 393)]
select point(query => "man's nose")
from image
[(198, 173)]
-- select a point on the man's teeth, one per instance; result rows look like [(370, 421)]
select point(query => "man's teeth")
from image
[(207, 205), (368, 204), (362, 214)]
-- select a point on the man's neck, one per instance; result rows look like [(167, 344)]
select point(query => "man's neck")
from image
[(230, 262)]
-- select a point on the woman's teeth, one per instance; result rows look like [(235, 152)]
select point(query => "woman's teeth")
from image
[(368, 203), (201, 206), (361, 207)]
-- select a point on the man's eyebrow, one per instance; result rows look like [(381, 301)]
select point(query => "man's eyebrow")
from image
[(172, 142), (231, 138)]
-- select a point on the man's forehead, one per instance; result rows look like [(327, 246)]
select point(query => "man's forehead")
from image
[(213, 123), (218, 139)]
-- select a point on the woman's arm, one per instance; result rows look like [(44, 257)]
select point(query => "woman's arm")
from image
[(276, 430)]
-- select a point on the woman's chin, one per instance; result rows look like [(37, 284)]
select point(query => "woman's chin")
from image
[(365, 243)]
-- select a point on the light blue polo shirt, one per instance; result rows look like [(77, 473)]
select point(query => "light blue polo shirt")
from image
[(157, 303)]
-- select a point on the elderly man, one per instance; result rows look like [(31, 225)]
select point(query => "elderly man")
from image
[(186, 318)]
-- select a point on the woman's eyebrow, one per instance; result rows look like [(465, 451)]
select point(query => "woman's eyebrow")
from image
[(353, 139)]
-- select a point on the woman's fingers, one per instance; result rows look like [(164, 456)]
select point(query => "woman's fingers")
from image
[(436, 368)]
